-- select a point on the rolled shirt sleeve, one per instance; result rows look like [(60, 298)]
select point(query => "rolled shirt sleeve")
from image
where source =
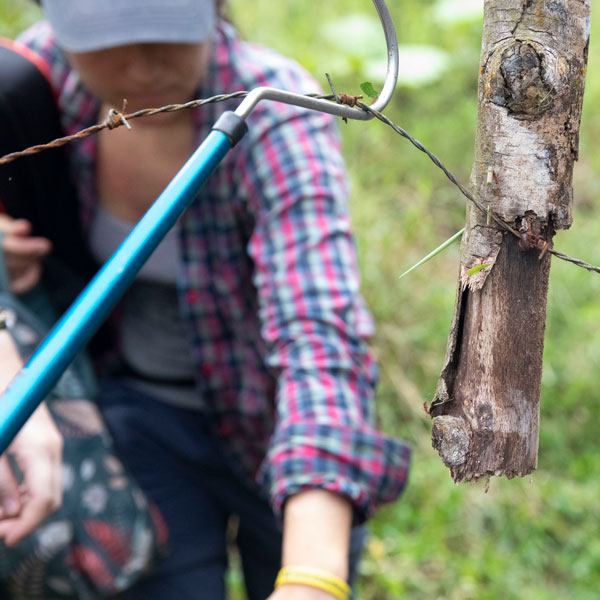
[(314, 319)]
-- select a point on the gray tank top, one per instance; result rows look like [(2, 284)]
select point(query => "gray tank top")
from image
[(153, 341)]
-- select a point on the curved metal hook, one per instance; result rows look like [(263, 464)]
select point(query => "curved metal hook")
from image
[(340, 110)]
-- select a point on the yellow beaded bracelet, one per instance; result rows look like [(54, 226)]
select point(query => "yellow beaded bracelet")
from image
[(316, 578)]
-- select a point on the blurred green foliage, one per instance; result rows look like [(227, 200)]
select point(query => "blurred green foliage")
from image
[(536, 538)]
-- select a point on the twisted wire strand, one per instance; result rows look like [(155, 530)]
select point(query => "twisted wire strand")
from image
[(116, 119)]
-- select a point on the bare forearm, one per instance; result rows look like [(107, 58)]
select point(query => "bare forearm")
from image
[(316, 531)]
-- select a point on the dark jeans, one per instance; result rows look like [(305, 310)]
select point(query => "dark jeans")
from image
[(179, 465)]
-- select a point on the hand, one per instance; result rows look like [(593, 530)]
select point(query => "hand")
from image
[(23, 253), (37, 449)]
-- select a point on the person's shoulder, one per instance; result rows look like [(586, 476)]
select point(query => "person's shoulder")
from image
[(77, 106), (40, 39)]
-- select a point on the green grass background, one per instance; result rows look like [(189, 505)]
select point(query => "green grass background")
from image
[(535, 538)]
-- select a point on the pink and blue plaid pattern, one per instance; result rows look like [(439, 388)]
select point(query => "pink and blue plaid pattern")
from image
[(269, 286)]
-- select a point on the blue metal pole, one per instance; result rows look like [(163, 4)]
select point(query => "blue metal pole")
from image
[(37, 378)]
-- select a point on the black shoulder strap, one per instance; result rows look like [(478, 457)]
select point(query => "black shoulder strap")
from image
[(39, 187)]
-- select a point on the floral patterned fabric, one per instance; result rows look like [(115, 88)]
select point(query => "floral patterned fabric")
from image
[(106, 534)]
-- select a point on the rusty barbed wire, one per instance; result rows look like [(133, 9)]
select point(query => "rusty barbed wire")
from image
[(116, 119)]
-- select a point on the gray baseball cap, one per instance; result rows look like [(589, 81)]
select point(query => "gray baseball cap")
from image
[(86, 25)]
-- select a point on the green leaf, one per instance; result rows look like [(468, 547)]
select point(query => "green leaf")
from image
[(368, 89), (439, 249), (475, 270)]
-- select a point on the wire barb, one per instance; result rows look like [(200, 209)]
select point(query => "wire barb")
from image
[(335, 95), (114, 119), (351, 101)]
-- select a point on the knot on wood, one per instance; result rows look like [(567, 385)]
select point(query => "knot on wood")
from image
[(451, 439), (517, 82)]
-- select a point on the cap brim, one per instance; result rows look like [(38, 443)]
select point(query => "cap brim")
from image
[(88, 25)]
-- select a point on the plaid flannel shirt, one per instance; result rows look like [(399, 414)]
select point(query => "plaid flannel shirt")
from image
[(268, 285)]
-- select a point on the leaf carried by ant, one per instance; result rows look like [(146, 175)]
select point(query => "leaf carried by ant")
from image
[(368, 89), (475, 270)]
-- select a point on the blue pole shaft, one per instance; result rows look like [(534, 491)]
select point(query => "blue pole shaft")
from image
[(37, 378)]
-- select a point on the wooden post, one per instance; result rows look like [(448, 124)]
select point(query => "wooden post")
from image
[(533, 63)]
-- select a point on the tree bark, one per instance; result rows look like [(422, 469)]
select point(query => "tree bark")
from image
[(533, 62)]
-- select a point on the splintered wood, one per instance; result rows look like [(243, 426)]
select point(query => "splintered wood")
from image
[(486, 408)]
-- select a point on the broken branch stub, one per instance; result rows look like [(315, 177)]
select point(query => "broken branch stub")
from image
[(486, 407)]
